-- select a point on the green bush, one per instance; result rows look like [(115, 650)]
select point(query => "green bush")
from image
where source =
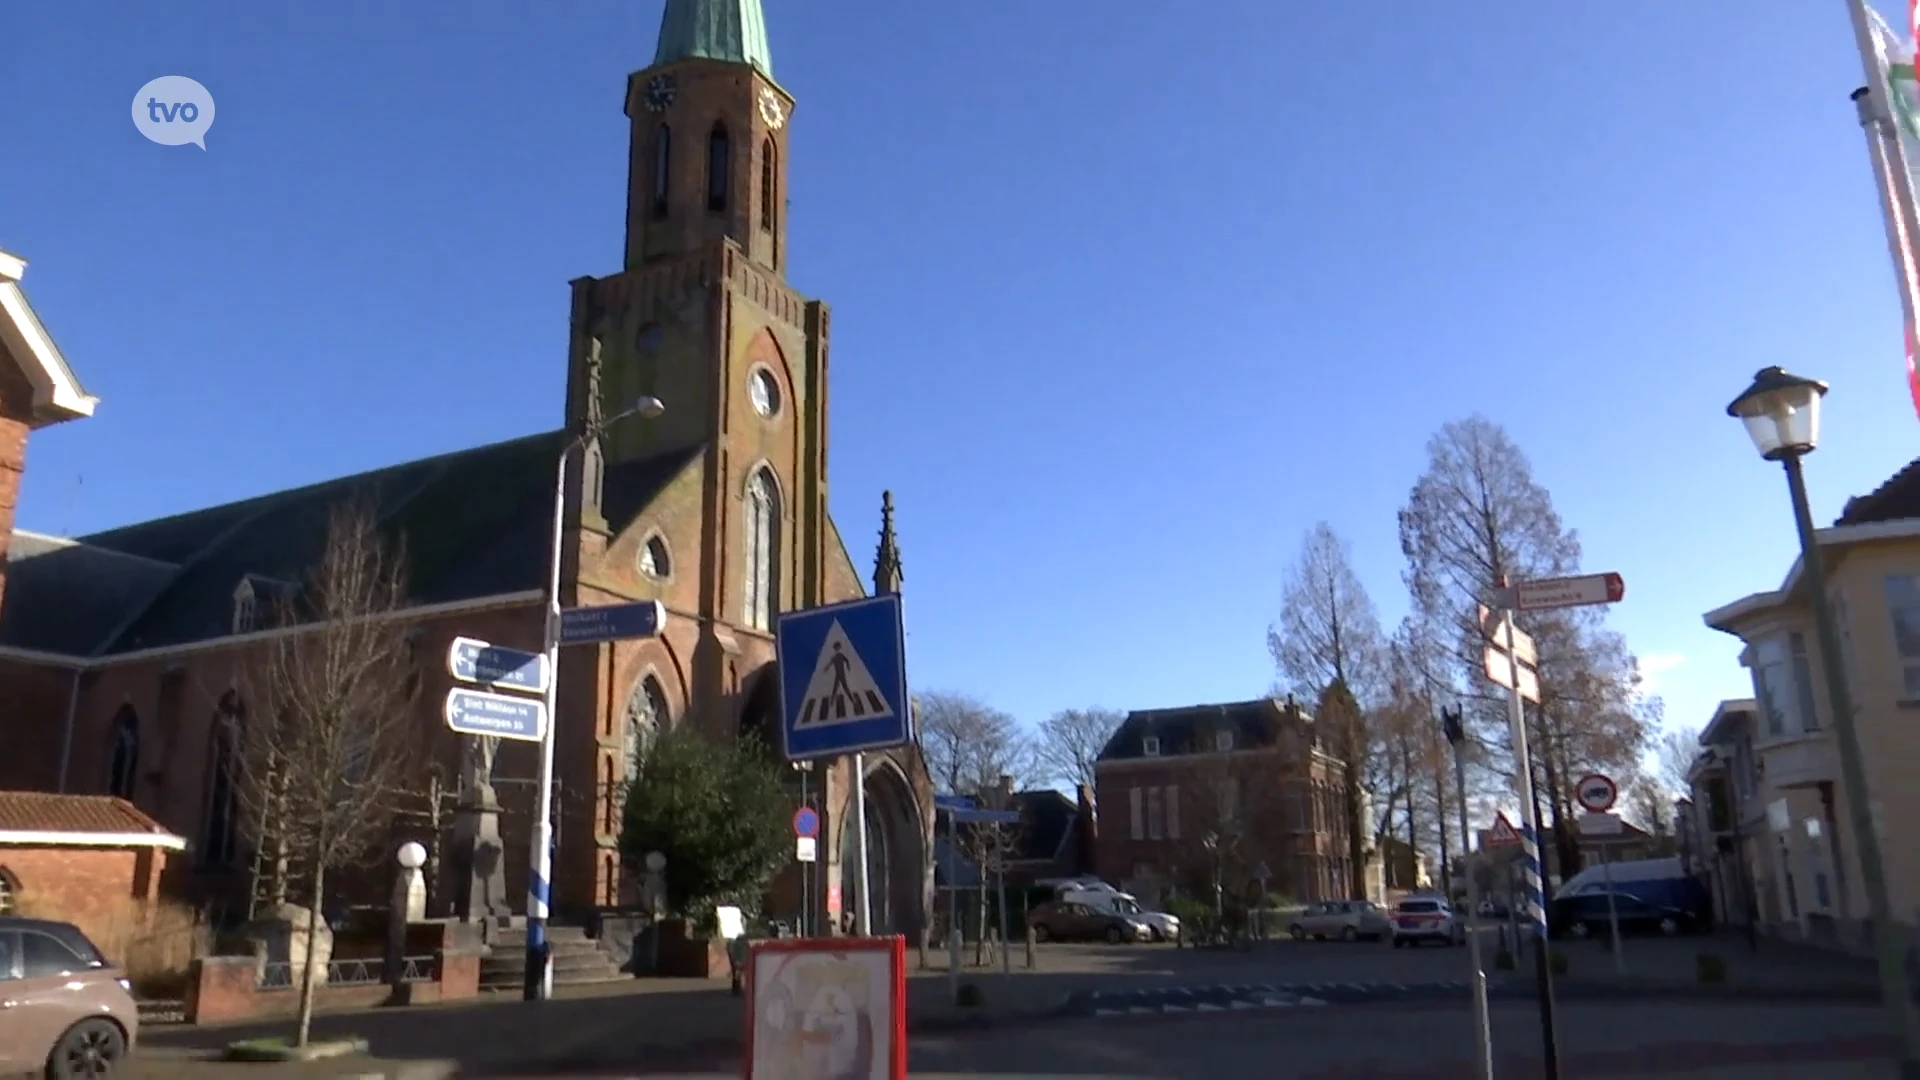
[(1503, 960), (1557, 962), (969, 996), (1710, 968)]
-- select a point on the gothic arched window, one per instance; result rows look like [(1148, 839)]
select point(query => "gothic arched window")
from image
[(762, 591), (125, 763), (767, 174), (662, 160), (646, 719), (719, 158), (220, 829)]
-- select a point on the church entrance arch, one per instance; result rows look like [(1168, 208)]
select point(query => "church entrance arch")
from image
[(896, 855)]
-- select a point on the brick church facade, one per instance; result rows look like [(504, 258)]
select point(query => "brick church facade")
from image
[(119, 650)]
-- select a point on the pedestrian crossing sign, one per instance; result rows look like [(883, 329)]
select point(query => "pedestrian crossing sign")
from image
[(843, 679)]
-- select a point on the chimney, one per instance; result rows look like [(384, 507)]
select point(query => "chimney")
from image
[(1005, 793)]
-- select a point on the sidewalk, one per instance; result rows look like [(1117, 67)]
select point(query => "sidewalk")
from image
[(643, 1023), (1776, 970)]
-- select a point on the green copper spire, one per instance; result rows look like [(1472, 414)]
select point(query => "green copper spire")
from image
[(733, 30)]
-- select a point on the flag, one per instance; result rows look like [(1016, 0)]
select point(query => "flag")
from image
[(1896, 139)]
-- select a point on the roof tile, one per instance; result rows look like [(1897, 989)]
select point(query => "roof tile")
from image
[(39, 811)]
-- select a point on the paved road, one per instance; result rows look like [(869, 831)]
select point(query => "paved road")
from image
[(1610, 1042)]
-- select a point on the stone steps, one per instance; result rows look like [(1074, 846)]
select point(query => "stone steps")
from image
[(577, 959)]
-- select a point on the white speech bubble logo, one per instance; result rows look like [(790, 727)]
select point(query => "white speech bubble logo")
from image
[(174, 110)]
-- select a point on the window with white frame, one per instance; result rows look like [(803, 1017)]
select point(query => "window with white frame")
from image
[(1155, 811), (1137, 814), (1150, 746), (1173, 812), (1903, 606), (1223, 741), (1803, 682), (1773, 685)]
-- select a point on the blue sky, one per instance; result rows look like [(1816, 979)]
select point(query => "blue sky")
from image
[(1126, 296)]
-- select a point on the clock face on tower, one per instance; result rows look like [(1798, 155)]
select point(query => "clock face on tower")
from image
[(659, 93), (772, 109)]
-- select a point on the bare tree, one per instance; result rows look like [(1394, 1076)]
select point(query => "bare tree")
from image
[(1070, 741), (1474, 518), (1327, 642), (1673, 756), (327, 746), (969, 745)]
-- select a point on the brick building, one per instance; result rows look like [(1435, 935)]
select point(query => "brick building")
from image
[(1244, 785), (80, 858), (118, 650)]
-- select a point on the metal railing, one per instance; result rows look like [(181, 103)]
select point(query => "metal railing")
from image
[(285, 975)]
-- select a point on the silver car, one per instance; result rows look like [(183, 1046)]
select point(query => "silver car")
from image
[(1348, 920)]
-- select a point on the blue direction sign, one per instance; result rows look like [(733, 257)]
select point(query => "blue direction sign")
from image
[(475, 661), (843, 679), (954, 802), (612, 622), (476, 712)]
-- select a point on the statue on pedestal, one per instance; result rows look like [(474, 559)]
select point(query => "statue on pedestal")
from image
[(476, 865)]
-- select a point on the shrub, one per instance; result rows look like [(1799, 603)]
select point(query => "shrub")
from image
[(1710, 968), (154, 942), (969, 996), (1557, 962), (1503, 960)]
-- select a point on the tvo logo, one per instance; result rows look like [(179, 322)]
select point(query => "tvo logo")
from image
[(174, 110)]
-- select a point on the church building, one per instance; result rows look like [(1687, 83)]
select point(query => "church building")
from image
[(120, 651)]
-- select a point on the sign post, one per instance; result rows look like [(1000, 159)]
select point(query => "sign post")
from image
[(1597, 794), (1454, 726), (843, 690), (1512, 645)]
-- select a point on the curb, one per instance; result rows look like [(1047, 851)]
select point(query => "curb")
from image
[(1625, 988), (705, 1056)]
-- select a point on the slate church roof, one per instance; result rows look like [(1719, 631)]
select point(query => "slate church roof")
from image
[(474, 523)]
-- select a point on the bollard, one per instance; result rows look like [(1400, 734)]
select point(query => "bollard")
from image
[(953, 964), (1032, 954), (1180, 936), (926, 932)]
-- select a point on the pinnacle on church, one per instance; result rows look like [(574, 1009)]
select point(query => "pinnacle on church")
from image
[(733, 30), (886, 562)]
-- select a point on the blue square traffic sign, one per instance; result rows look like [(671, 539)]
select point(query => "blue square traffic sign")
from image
[(843, 679)]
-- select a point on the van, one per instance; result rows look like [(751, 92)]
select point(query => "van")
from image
[(1110, 901), (1661, 882)]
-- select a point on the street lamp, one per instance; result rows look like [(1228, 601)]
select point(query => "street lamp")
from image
[(539, 978), (1782, 414)]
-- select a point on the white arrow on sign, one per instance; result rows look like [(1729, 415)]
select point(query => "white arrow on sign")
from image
[(1608, 588)]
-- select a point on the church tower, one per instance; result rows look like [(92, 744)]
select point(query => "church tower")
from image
[(707, 153)]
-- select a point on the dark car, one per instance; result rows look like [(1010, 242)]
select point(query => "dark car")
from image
[(1586, 915), (1064, 920)]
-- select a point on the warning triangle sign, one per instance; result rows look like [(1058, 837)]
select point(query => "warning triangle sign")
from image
[(1503, 831), (841, 690)]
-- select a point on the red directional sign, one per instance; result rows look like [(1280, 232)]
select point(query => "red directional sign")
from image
[(1580, 591)]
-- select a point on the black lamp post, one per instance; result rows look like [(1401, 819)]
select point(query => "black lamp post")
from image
[(1781, 412)]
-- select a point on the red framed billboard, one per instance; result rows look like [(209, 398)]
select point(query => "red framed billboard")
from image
[(826, 1007)]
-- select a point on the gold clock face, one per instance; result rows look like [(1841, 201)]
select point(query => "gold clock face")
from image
[(772, 109)]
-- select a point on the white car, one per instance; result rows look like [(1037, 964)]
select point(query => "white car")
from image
[(1419, 920)]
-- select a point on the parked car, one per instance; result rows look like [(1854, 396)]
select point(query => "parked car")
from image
[(1418, 920), (1160, 925), (1494, 908), (65, 1011), (1067, 920), (1585, 915), (1348, 920), (1663, 883)]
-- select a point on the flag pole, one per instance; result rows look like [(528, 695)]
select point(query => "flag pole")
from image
[(1890, 169)]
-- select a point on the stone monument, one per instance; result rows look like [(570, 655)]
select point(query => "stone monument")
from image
[(476, 867)]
